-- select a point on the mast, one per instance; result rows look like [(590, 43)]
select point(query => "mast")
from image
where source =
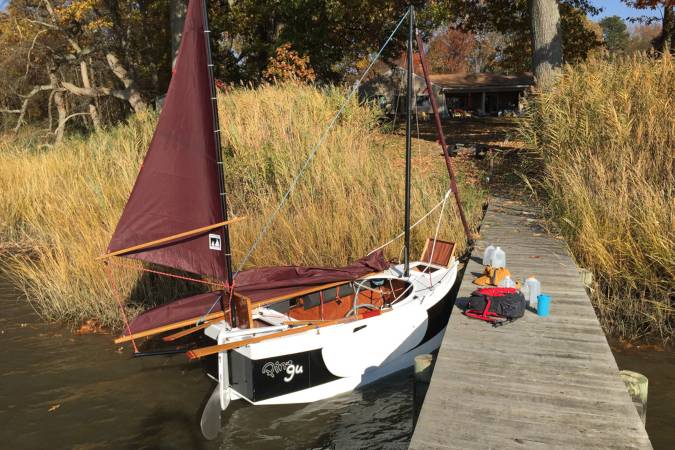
[(408, 141), (219, 158)]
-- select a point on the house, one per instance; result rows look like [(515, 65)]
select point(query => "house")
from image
[(480, 93)]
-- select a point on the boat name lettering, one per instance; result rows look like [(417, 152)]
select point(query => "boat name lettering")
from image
[(271, 369)]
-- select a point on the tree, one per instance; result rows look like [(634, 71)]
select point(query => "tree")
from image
[(665, 41), (449, 51), (642, 36), (511, 20), (177, 12), (82, 56), (334, 35), (615, 34), (288, 65), (547, 55)]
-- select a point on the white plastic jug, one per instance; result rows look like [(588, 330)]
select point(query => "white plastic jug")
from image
[(507, 282), (532, 290), (487, 254), (498, 258)]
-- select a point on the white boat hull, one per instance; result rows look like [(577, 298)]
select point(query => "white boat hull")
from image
[(325, 362)]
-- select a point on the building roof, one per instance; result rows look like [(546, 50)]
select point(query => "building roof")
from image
[(481, 80)]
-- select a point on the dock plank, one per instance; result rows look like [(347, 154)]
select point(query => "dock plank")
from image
[(535, 383)]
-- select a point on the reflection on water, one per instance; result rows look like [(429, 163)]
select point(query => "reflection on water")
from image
[(58, 390)]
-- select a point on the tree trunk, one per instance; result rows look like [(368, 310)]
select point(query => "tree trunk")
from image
[(86, 83), (664, 41), (60, 103), (547, 53), (133, 95), (178, 8)]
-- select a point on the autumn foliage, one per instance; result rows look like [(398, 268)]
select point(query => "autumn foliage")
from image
[(288, 65)]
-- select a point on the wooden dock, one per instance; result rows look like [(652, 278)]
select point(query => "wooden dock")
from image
[(537, 382)]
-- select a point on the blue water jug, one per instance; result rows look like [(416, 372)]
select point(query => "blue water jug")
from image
[(543, 305)]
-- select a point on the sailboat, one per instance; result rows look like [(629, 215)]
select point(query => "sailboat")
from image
[(279, 334)]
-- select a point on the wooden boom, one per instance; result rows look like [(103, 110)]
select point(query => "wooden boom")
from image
[(170, 238), (180, 334), (172, 326)]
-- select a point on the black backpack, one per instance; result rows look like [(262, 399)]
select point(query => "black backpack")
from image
[(496, 305)]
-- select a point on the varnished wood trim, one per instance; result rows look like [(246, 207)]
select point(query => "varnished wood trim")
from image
[(169, 327), (170, 238)]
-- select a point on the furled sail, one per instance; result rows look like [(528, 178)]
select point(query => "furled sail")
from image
[(259, 284), (177, 189)]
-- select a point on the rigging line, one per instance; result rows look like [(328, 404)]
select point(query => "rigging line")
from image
[(435, 207), (314, 150)]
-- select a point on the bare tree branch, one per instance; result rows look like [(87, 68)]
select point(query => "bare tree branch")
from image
[(59, 129), (133, 96), (32, 46), (24, 105), (86, 92), (51, 26)]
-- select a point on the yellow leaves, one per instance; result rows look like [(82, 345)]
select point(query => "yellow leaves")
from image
[(98, 24), (82, 11), (287, 65)]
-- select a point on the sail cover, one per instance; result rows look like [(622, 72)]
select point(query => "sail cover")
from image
[(258, 284), (177, 189)]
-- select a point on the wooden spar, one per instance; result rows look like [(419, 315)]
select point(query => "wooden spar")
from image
[(172, 326), (170, 238), (180, 334), (205, 351), (441, 139)]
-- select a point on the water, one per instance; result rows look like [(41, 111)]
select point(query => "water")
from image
[(58, 390), (102, 398), (658, 365)]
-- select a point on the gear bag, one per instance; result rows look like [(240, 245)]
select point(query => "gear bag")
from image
[(496, 305)]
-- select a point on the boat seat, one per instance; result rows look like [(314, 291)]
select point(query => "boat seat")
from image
[(442, 253)]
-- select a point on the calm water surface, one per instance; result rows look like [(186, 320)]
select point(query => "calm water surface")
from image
[(101, 398), (58, 390)]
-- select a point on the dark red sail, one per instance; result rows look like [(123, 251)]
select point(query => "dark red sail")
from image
[(177, 189)]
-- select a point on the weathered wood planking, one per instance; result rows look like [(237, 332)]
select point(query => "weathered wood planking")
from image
[(535, 383)]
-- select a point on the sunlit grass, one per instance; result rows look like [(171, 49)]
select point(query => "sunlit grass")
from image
[(60, 205), (606, 136)]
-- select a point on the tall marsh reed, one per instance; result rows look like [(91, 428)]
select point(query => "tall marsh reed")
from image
[(606, 137), (61, 204)]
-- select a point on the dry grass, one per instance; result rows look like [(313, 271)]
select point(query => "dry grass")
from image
[(606, 136), (62, 203)]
